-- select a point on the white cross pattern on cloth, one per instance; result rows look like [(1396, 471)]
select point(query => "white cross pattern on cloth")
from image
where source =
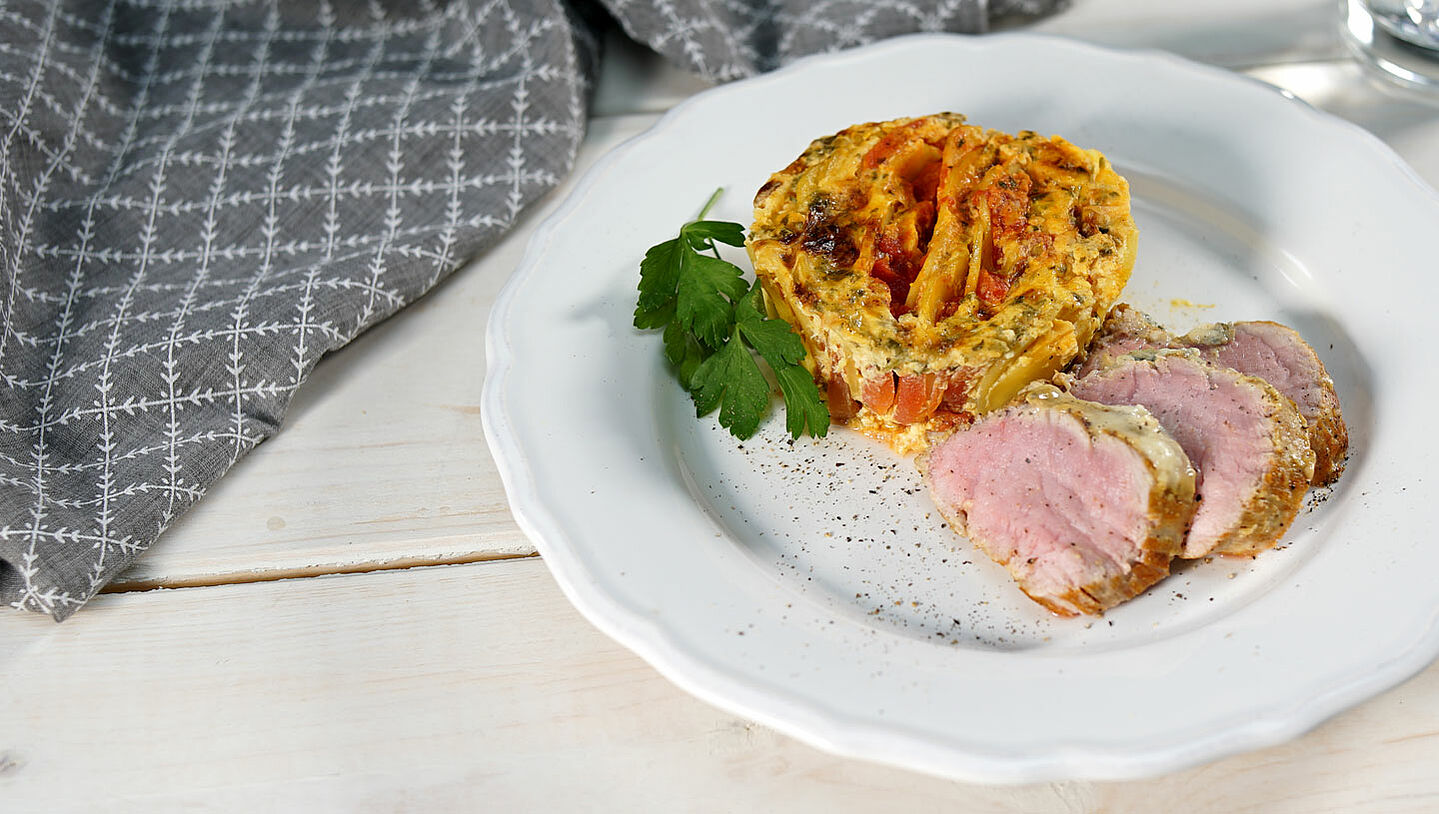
[(201, 198)]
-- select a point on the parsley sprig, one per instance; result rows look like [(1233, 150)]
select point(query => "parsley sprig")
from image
[(714, 323)]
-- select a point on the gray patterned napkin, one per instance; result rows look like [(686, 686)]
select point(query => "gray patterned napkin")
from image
[(200, 198), (729, 39)]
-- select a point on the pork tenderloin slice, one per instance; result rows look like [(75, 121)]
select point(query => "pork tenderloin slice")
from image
[(1280, 356), (1245, 438), (1125, 330), (1268, 350), (1084, 504)]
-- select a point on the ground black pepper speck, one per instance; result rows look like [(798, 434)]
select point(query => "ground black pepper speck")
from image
[(839, 494)]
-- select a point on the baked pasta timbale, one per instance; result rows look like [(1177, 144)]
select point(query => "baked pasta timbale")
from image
[(934, 268)]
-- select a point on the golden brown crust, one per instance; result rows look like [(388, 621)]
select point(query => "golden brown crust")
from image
[(1097, 597), (931, 266), (1329, 438), (1274, 505), (1328, 435)]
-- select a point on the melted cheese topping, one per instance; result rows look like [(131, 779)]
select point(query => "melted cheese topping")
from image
[(934, 267)]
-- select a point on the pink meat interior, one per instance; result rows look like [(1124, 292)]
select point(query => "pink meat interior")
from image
[(1215, 415), (1059, 508), (1277, 355)]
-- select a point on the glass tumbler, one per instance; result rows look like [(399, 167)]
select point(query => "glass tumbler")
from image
[(1398, 38)]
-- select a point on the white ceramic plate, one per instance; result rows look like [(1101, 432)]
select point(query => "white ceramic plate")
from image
[(811, 586)]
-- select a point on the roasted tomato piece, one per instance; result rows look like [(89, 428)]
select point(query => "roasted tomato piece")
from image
[(842, 406), (877, 393), (916, 397)]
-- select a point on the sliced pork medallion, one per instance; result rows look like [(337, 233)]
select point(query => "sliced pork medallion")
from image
[(1125, 330), (1268, 350), (1278, 355), (1246, 439), (1085, 504)]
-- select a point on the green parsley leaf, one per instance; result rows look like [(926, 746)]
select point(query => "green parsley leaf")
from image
[(780, 347), (659, 276), (805, 409), (701, 232), (708, 287), (775, 341), (658, 318), (683, 352), (714, 322), (751, 305), (730, 379)]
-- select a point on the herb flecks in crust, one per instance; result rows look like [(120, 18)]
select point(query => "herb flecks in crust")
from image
[(933, 268)]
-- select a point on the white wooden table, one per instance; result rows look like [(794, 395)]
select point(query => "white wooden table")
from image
[(352, 621)]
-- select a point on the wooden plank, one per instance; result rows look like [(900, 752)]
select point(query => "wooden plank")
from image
[(381, 461), (477, 687)]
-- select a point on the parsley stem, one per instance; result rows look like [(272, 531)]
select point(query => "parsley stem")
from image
[(711, 202)]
